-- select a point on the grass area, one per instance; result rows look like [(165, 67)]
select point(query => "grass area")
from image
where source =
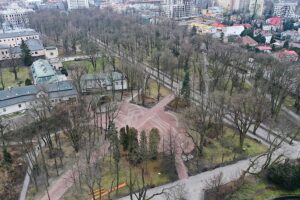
[(259, 189), (289, 102), (152, 90), (153, 177), (87, 64), (9, 78), (225, 149)]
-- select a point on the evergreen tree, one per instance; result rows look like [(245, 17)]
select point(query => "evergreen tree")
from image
[(7, 159), (185, 90), (286, 44), (115, 143), (28, 82), (134, 155), (144, 146), (26, 54), (154, 140), (193, 31), (124, 138)]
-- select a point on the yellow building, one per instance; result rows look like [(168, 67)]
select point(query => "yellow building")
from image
[(201, 28)]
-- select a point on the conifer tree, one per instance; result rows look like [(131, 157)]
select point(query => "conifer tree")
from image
[(26, 54)]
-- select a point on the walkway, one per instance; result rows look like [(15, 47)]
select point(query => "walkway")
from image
[(166, 122), (196, 185), (60, 186)]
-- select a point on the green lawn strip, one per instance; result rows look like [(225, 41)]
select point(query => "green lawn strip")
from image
[(218, 150), (226, 149), (289, 102), (152, 90), (86, 63), (9, 78), (260, 190)]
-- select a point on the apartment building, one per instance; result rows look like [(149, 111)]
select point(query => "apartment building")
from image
[(15, 16), (77, 4), (285, 9)]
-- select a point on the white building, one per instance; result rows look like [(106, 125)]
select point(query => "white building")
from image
[(10, 45), (233, 30), (256, 7), (285, 9), (77, 4), (15, 16), (14, 38), (20, 99), (103, 81), (35, 46), (179, 9), (43, 72)]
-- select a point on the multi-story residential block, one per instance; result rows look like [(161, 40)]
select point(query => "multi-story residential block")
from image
[(256, 7), (77, 4), (285, 9), (15, 16), (178, 9)]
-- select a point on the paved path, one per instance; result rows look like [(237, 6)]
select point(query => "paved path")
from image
[(60, 186), (166, 122), (196, 185)]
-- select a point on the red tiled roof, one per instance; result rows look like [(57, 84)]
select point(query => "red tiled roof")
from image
[(247, 25), (275, 21), (286, 53), (264, 48), (218, 25), (248, 40)]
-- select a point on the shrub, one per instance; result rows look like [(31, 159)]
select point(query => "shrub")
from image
[(285, 175)]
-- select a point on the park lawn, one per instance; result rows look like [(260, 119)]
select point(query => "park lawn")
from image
[(221, 150), (289, 102), (226, 149), (153, 177), (86, 63), (259, 189), (152, 90), (9, 78)]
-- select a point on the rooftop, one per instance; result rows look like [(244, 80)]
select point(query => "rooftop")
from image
[(33, 45), (22, 94), (42, 68), (248, 40), (20, 33)]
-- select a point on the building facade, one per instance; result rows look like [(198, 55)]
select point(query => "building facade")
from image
[(77, 4), (23, 98), (15, 16), (15, 38), (103, 81), (285, 9), (256, 7), (178, 9), (43, 72)]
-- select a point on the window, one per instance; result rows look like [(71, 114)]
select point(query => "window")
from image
[(20, 105), (51, 53), (36, 52), (4, 109), (0, 40)]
